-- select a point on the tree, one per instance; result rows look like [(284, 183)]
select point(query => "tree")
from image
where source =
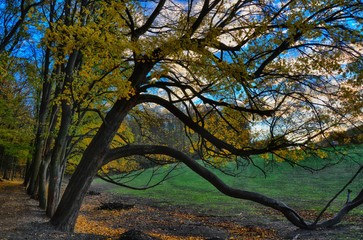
[(281, 65), (13, 16), (16, 18), (67, 92), (46, 83), (16, 120)]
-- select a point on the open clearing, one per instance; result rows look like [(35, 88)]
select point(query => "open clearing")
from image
[(186, 207)]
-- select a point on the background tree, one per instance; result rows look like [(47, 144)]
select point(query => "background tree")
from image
[(13, 16), (16, 120), (42, 107)]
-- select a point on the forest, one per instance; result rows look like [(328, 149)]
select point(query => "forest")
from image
[(113, 90)]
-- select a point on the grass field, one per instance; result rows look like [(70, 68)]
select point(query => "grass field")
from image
[(296, 187)]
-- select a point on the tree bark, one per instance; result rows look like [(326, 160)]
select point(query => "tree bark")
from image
[(37, 159), (13, 169), (58, 156), (27, 172), (43, 183), (44, 176)]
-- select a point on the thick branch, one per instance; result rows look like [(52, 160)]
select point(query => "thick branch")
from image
[(358, 200), (288, 212), (344, 211), (142, 150)]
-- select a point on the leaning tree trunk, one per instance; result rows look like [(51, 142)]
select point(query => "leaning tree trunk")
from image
[(43, 179), (43, 147), (42, 122), (37, 159), (67, 212), (56, 167), (59, 149)]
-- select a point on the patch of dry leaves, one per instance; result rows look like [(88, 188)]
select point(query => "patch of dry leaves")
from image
[(166, 224)]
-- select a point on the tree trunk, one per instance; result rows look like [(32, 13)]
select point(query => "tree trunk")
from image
[(1, 162), (59, 149), (39, 138), (13, 168), (40, 148), (44, 176), (67, 212), (58, 156), (43, 183), (6, 173), (27, 172)]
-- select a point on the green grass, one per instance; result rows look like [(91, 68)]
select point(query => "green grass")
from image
[(296, 187)]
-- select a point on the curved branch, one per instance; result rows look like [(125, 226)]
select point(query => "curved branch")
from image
[(107, 178), (213, 179), (130, 150)]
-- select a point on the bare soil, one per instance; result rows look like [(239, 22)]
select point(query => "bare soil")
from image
[(21, 218)]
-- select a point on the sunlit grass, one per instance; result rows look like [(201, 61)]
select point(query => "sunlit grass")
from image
[(296, 187)]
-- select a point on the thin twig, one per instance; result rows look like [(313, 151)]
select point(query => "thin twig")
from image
[(336, 195)]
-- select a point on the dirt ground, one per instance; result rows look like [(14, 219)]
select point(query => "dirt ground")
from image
[(20, 218)]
